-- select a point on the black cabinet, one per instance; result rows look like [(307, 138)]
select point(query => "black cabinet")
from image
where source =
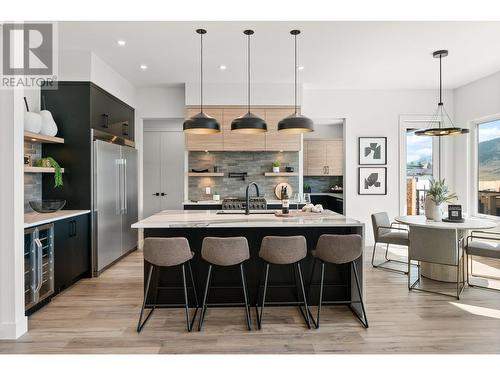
[(329, 202), (71, 250)]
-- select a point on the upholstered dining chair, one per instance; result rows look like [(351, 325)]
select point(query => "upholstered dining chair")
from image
[(438, 246), (388, 233), (483, 244)]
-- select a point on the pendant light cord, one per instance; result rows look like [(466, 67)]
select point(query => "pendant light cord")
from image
[(440, 82), (201, 73), (248, 72), (295, 75)]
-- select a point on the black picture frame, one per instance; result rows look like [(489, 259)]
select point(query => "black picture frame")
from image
[(383, 141), (383, 170)]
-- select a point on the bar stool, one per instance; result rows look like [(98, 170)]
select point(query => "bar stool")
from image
[(338, 249), (278, 250), (168, 252), (225, 252)]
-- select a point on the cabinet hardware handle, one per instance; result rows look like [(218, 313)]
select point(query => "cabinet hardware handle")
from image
[(156, 194), (125, 128), (163, 194), (105, 124)]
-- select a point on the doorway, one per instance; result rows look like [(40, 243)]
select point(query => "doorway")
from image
[(163, 166)]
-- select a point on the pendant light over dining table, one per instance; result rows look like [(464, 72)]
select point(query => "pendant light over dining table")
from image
[(446, 126), (295, 123), (201, 123), (248, 123)]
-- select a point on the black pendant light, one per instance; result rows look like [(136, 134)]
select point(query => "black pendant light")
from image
[(295, 123), (248, 123), (446, 126), (201, 123)]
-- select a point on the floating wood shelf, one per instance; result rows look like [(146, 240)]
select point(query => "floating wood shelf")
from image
[(281, 174), (41, 138), (28, 169), (206, 174)]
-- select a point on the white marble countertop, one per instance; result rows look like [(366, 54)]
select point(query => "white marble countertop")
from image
[(215, 203), (32, 219), (210, 218)]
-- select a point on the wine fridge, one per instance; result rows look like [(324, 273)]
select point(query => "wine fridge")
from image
[(38, 264)]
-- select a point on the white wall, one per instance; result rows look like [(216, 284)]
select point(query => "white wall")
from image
[(13, 323), (473, 101), (236, 93), (161, 102), (373, 113)]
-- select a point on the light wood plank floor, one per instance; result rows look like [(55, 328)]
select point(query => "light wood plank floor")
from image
[(100, 315)]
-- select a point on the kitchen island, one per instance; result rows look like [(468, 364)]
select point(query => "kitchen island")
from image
[(195, 225)]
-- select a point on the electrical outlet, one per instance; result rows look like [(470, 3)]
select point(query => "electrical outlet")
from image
[(208, 191)]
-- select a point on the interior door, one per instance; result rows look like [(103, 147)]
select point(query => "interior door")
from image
[(107, 202), (130, 209), (172, 170), (152, 173)]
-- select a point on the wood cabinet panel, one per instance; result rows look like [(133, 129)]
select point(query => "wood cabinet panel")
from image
[(276, 141), (316, 158), (323, 157), (205, 142)]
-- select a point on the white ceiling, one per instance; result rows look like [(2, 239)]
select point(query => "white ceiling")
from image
[(346, 55)]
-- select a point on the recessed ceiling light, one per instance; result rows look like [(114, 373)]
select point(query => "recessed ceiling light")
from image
[(144, 67), (222, 67), (300, 68), (121, 42)]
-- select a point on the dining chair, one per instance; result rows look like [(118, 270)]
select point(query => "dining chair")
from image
[(483, 244), (387, 233), (438, 246)]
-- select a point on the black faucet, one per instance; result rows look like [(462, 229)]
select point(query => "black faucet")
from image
[(247, 197)]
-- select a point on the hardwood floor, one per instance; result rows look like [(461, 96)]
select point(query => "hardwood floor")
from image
[(100, 316)]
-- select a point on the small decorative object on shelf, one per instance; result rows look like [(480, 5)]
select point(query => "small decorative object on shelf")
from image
[(49, 126), (44, 206), (276, 166), (216, 196), (307, 188), (27, 160), (436, 197), (32, 120), (51, 163)]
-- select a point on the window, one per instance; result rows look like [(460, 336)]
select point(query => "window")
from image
[(489, 168), (419, 171)]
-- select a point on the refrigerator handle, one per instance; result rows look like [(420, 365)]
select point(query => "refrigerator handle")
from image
[(39, 255), (118, 169), (124, 186), (34, 267)]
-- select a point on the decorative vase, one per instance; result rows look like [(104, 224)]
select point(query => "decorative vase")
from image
[(49, 126), (32, 122), (276, 169), (432, 210)]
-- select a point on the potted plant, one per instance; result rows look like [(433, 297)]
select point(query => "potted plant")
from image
[(216, 196), (276, 166), (51, 163), (437, 195), (307, 188)]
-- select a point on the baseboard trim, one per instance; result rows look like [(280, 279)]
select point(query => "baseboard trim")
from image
[(12, 331)]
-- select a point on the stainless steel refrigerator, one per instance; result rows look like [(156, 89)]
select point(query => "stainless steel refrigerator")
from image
[(114, 202)]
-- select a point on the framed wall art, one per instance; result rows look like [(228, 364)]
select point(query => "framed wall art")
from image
[(372, 180), (372, 150)]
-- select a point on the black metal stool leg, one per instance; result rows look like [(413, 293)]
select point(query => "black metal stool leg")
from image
[(139, 324), (312, 277), (193, 285), (320, 292), (186, 298), (306, 314), (259, 314), (365, 320), (245, 295), (204, 306)]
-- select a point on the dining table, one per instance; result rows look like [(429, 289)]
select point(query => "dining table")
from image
[(437, 271)]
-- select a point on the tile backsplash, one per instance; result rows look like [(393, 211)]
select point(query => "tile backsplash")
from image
[(322, 184), (254, 163), (32, 181)]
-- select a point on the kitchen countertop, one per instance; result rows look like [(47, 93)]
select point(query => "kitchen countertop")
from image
[(209, 218), (32, 219), (215, 203)]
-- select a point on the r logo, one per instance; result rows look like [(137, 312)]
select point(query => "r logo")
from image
[(27, 49)]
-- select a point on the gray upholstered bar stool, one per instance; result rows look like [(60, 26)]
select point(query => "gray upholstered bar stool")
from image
[(225, 252), (339, 249), (168, 252), (282, 250)]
